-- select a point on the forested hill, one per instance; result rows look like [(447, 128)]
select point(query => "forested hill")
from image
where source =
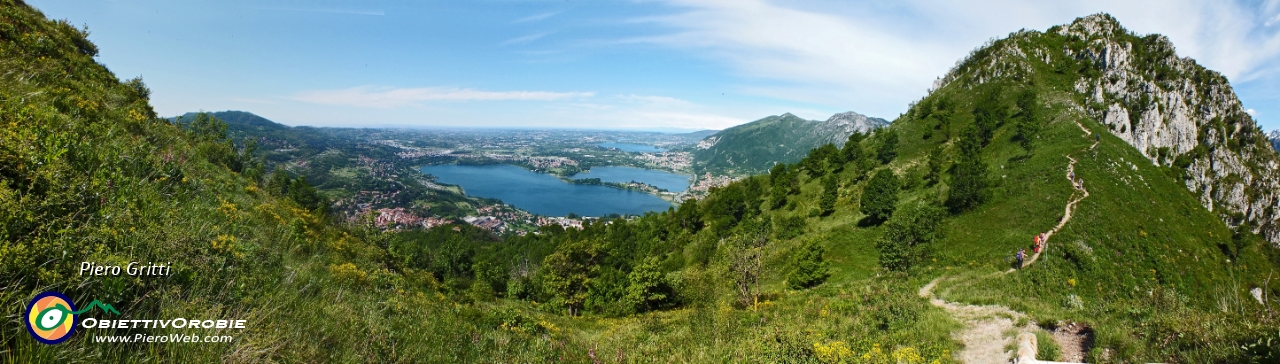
[(754, 147), (239, 119)]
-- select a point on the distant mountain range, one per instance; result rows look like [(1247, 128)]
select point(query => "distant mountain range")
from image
[(1274, 137), (754, 147)]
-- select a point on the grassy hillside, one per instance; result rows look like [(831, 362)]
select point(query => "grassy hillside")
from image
[(91, 174), (785, 267)]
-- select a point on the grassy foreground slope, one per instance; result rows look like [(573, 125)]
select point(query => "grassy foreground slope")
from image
[(89, 173)]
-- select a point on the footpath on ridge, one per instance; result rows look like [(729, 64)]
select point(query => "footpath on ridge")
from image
[(984, 337)]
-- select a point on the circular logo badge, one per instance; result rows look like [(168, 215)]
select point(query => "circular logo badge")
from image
[(51, 318)]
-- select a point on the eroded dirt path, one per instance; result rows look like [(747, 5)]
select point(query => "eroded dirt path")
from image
[(984, 336)]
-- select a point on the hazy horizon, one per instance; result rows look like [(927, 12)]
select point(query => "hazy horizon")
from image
[(661, 65)]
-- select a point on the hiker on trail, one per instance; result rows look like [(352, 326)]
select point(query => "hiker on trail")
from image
[(1021, 254), (1036, 245)]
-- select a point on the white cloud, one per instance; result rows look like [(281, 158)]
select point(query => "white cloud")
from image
[(875, 58), (649, 112), (1252, 112), (536, 17), (525, 39), (367, 96)]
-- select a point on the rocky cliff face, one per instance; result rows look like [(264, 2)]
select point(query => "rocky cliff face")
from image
[(838, 127), (1181, 115), (1177, 113)]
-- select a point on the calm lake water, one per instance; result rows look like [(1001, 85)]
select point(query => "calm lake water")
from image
[(544, 194), (635, 148), (669, 181)]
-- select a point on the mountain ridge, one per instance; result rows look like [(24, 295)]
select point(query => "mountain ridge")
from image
[(1178, 114), (754, 147)]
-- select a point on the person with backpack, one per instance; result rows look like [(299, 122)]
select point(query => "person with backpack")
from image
[(1021, 254)]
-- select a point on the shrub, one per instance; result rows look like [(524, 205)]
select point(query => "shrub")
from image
[(808, 268), (648, 288), (907, 235), (888, 149), (969, 176), (881, 195), (830, 192)]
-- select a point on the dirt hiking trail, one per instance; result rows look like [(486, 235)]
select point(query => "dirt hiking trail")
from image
[(984, 335)]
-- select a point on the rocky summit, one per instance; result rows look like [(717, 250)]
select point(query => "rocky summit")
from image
[(1177, 113)]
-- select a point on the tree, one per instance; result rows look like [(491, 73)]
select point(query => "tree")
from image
[(789, 227), (1027, 127), (254, 168), (943, 113), (881, 195), (687, 216), (746, 263), (936, 161), (816, 161), (279, 182), (969, 176), (648, 289), (307, 196), (569, 271), (780, 185), (206, 127), (852, 151), (907, 235), (988, 115), (830, 192), (808, 268), (888, 149)]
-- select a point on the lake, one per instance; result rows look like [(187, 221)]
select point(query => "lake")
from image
[(664, 180), (629, 147), (544, 194)]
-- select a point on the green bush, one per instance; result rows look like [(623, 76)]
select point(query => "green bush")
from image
[(969, 175), (830, 192), (907, 236), (808, 268), (880, 196), (887, 151)]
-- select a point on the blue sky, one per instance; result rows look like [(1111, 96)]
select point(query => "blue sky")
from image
[(657, 65)]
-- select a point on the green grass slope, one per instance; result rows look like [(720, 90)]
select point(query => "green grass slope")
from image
[(89, 173)]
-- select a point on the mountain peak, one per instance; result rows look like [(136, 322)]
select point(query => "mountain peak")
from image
[(1173, 111), (1100, 24), (845, 123)]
